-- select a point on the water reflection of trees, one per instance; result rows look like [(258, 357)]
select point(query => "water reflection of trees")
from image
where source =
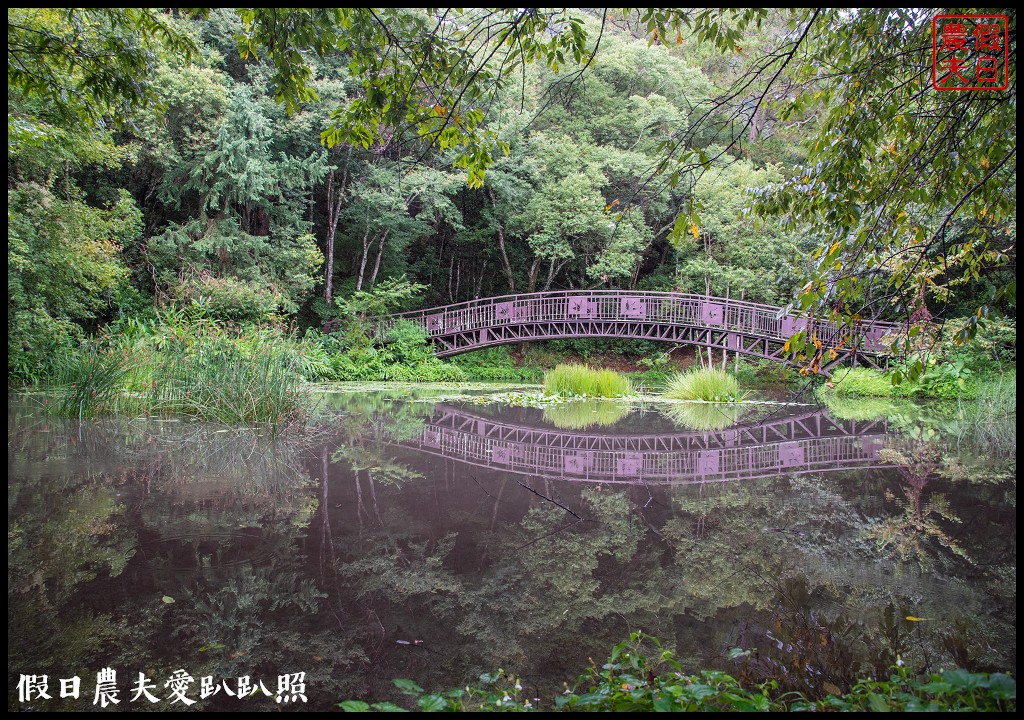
[(157, 546), (335, 553), (774, 562), (918, 520)]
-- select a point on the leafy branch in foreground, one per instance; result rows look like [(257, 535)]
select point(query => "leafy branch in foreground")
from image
[(641, 676)]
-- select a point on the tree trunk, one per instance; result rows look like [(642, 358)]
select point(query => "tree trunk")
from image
[(364, 257), (505, 264), (534, 269), (551, 275), (478, 288), (380, 251), (335, 197)]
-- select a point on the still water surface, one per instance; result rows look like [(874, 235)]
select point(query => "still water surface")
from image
[(401, 536)]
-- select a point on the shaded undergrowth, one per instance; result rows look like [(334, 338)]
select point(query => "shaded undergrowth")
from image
[(641, 676)]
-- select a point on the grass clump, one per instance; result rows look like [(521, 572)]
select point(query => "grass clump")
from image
[(704, 384), (582, 380), (862, 382)]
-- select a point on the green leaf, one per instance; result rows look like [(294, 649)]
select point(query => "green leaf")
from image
[(354, 706), (408, 687), (663, 704), (962, 679), (1002, 687), (878, 703), (432, 703)]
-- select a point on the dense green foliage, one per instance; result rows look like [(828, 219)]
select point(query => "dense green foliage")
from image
[(640, 676), (295, 166)]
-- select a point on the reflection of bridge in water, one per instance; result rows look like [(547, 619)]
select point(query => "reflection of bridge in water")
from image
[(811, 442)]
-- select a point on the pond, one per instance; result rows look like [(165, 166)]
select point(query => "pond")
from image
[(410, 534)]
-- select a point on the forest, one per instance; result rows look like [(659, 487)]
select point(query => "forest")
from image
[(254, 173)]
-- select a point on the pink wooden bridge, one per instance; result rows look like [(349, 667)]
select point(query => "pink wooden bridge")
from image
[(743, 327), (808, 442)]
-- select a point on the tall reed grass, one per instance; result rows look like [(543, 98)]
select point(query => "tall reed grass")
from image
[(233, 375), (576, 380), (989, 422), (704, 384)]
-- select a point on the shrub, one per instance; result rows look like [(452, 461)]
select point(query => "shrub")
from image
[(583, 380), (704, 384), (229, 299)]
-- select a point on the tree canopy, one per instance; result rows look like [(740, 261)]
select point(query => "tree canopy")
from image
[(277, 158)]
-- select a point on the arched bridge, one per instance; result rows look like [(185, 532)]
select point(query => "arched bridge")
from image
[(810, 442), (721, 323)]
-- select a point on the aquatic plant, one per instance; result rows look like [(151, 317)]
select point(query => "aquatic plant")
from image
[(190, 366), (989, 422), (704, 384), (574, 379)]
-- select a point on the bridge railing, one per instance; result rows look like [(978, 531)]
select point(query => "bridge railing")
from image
[(649, 307)]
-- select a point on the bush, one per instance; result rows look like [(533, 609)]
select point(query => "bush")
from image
[(495, 364), (708, 385), (229, 299), (575, 380)]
